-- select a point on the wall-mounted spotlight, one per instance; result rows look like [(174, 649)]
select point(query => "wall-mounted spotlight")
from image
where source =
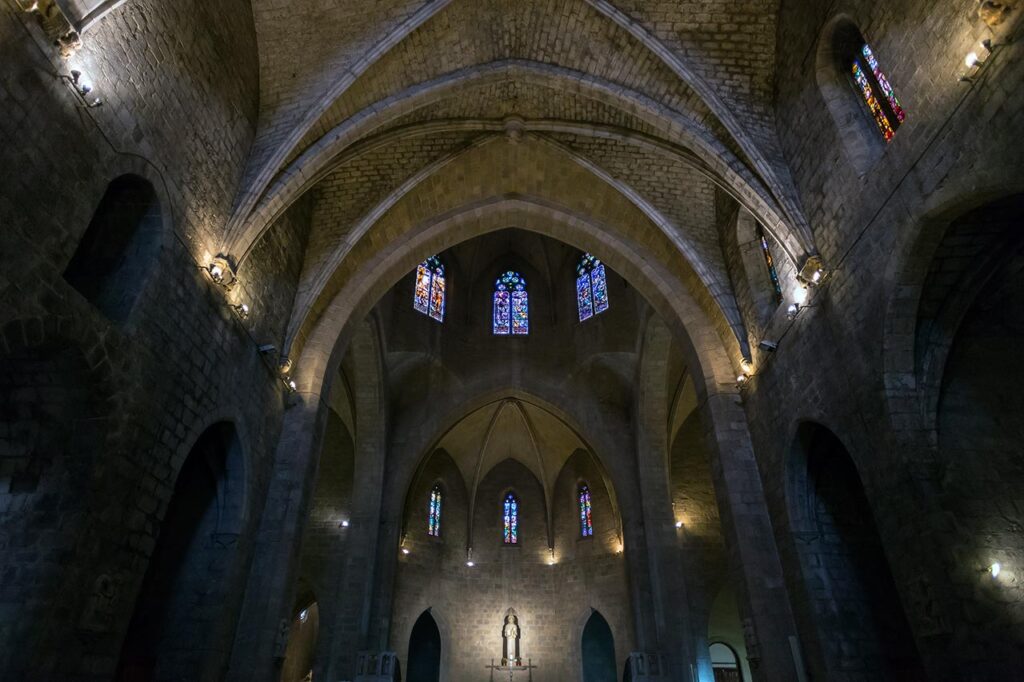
[(995, 569), (799, 299), (242, 309), (405, 551), (679, 524), (976, 59), (292, 386), (469, 558), (768, 346), (813, 272), (82, 88), (221, 272), (551, 558), (343, 523), (746, 371)]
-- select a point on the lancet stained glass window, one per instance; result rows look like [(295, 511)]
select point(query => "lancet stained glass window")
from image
[(434, 521), (586, 518), (877, 92), (511, 305), (511, 534), (591, 287), (769, 262), (428, 296)]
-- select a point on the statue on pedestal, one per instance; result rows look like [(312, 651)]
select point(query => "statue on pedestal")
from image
[(510, 640)]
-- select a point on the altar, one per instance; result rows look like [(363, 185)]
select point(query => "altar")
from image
[(512, 672)]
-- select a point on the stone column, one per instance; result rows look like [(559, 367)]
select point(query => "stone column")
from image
[(272, 578), (764, 603)]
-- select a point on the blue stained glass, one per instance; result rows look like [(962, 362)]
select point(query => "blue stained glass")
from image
[(586, 517), (769, 262), (600, 284), (511, 305), (591, 287), (428, 294), (434, 521), (511, 519), (584, 296)]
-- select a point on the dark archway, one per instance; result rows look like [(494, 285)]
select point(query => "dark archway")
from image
[(973, 344), (861, 630), (118, 248), (171, 635), (424, 663), (598, 650)]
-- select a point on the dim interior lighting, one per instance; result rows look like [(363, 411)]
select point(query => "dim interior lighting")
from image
[(972, 60), (216, 272), (679, 524), (343, 524), (470, 563), (291, 385), (405, 550), (995, 569), (242, 310), (551, 559), (742, 380), (792, 311)]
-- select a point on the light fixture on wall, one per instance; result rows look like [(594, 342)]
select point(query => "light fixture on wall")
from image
[(242, 310), (995, 569), (976, 59), (551, 557), (221, 272), (746, 372), (82, 87), (799, 300), (469, 558), (343, 523), (679, 524), (812, 272)]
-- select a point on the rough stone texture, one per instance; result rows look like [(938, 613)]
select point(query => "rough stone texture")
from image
[(655, 143)]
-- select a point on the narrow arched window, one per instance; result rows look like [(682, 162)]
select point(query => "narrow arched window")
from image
[(428, 296), (591, 287), (511, 305), (434, 518), (511, 518), (586, 518), (769, 262), (875, 90)]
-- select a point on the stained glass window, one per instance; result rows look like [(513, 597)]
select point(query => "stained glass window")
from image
[(428, 296), (586, 519), (511, 518), (769, 261), (877, 92), (511, 305), (434, 522), (591, 287)]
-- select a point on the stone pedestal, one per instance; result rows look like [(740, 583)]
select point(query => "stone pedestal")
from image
[(377, 667)]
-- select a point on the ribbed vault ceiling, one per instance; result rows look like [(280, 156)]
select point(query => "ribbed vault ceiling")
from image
[(632, 113)]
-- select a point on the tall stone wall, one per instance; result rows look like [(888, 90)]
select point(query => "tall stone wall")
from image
[(179, 85)]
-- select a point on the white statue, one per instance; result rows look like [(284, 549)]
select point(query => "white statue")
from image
[(510, 640)]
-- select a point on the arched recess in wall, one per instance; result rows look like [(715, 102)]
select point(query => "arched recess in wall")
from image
[(597, 647), (55, 402), (970, 331), (725, 629), (765, 264), (184, 594), (838, 45), (850, 607), (424, 663), (303, 633), (119, 247)]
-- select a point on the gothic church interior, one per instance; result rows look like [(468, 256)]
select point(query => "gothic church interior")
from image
[(546, 340)]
